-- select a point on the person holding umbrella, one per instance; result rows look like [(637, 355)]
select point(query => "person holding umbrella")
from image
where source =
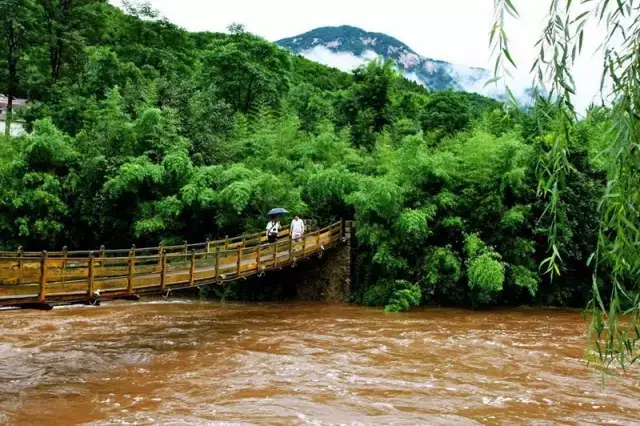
[(273, 227)]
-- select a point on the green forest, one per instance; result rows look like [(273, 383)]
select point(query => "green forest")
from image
[(141, 132)]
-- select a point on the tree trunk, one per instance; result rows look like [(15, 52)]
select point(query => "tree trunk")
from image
[(249, 97), (7, 123), (58, 16), (56, 66), (10, 94)]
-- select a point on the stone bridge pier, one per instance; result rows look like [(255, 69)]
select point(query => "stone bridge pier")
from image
[(327, 277)]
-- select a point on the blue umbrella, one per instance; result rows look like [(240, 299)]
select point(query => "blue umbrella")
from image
[(277, 211)]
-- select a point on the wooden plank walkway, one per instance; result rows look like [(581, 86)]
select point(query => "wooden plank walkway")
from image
[(29, 278)]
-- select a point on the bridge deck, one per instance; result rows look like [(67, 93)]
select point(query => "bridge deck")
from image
[(58, 277)]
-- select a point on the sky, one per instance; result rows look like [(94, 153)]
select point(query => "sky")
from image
[(456, 31)]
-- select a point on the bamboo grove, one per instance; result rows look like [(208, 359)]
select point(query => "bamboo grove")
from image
[(143, 132)]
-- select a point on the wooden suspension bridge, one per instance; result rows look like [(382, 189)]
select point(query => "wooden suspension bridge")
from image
[(39, 280)]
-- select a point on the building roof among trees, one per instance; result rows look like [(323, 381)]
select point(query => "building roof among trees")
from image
[(17, 102)]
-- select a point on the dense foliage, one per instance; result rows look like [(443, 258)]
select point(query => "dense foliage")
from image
[(143, 132)]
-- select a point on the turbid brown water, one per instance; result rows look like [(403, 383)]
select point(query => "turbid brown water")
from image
[(207, 363)]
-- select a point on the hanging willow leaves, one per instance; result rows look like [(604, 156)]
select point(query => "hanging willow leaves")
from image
[(618, 249)]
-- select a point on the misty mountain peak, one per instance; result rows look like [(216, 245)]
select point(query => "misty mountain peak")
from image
[(346, 48)]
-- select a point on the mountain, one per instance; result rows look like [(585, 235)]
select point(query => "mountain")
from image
[(348, 47)]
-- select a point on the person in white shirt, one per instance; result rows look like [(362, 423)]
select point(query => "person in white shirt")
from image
[(273, 227), (297, 229)]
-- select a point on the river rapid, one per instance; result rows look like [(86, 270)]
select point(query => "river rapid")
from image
[(197, 363)]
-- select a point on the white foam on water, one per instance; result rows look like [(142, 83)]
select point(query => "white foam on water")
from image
[(496, 402)]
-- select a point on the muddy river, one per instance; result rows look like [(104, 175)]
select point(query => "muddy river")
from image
[(189, 362)]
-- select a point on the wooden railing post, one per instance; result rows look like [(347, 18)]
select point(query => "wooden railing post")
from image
[(90, 275), (101, 254), (244, 241), (290, 248), (186, 247), (208, 246), (226, 242), (163, 270), (304, 246), (192, 269), (217, 262), (132, 267), (160, 253), (239, 262), (43, 277), (275, 254), (65, 252), (20, 264), (259, 256)]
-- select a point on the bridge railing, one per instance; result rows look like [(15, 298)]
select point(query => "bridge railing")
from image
[(30, 279), (207, 246)]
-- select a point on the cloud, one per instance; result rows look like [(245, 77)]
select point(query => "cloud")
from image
[(344, 61), (412, 76), (475, 79)]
